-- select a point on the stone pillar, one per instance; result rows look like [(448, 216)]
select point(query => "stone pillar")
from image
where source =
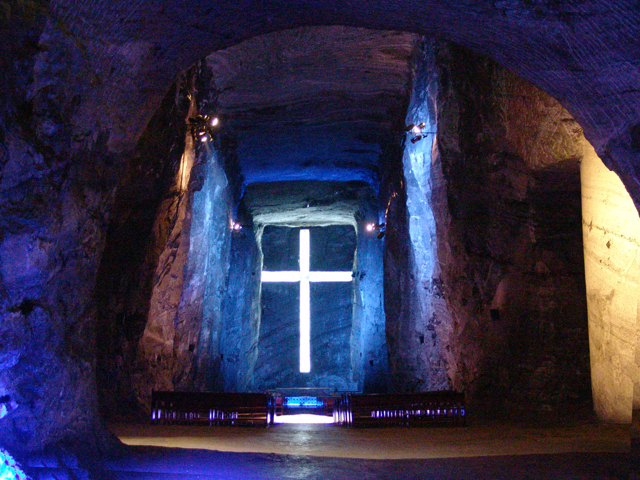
[(179, 348), (416, 310), (369, 353), (241, 313), (611, 232)]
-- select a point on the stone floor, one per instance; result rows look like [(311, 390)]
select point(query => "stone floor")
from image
[(393, 443), (492, 451)]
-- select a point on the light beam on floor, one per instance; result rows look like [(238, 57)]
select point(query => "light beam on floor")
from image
[(304, 418)]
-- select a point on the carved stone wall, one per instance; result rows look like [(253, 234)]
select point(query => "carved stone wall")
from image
[(611, 230), (494, 294)]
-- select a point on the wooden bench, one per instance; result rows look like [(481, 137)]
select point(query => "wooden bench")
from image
[(409, 409), (206, 408)]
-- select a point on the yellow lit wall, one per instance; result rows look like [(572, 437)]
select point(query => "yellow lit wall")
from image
[(611, 232)]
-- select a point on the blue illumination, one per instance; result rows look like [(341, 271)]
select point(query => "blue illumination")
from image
[(302, 402), (6, 406), (9, 469)]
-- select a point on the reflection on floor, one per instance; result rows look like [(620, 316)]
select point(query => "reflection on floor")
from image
[(312, 451), (384, 443), (304, 419)]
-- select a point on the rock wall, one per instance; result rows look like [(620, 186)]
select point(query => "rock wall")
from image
[(57, 182), (611, 230), (420, 343), (510, 248), (241, 317), (494, 297), (397, 284), (144, 215), (179, 348), (199, 318), (164, 272), (370, 356)]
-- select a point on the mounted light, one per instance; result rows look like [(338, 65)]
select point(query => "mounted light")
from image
[(203, 126), (417, 131), (375, 227), (415, 127)]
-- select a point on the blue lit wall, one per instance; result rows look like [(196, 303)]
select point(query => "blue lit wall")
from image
[(413, 302), (428, 307)]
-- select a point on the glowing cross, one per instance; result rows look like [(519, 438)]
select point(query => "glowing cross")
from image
[(304, 276)]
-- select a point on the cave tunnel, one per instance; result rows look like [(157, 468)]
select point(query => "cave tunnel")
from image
[(470, 172)]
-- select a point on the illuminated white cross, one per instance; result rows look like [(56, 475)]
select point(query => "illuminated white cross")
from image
[(304, 276)]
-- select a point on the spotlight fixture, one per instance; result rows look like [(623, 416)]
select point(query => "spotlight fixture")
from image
[(375, 227), (417, 131), (202, 127)]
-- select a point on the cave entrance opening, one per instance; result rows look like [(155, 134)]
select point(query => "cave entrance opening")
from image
[(307, 302), (304, 276)]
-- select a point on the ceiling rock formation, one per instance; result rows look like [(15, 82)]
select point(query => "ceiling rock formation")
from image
[(584, 54), (300, 204), (312, 104)]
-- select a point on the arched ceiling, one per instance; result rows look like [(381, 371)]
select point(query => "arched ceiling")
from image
[(580, 52), (127, 53)]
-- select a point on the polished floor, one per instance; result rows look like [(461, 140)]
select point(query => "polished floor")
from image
[(491, 451), (391, 443)]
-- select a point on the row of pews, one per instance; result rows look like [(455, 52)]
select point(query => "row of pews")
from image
[(206, 408), (408, 409), (351, 410)]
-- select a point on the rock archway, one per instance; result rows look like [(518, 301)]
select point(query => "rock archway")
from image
[(82, 81)]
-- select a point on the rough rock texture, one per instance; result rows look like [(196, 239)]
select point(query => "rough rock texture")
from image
[(506, 199), (144, 215), (397, 275), (56, 188), (312, 103), (611, 229), (81, 81), (164, 272), (370, 354), (241, 314), (415, 304), (308, 203), (179, 348), (580, 53)]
